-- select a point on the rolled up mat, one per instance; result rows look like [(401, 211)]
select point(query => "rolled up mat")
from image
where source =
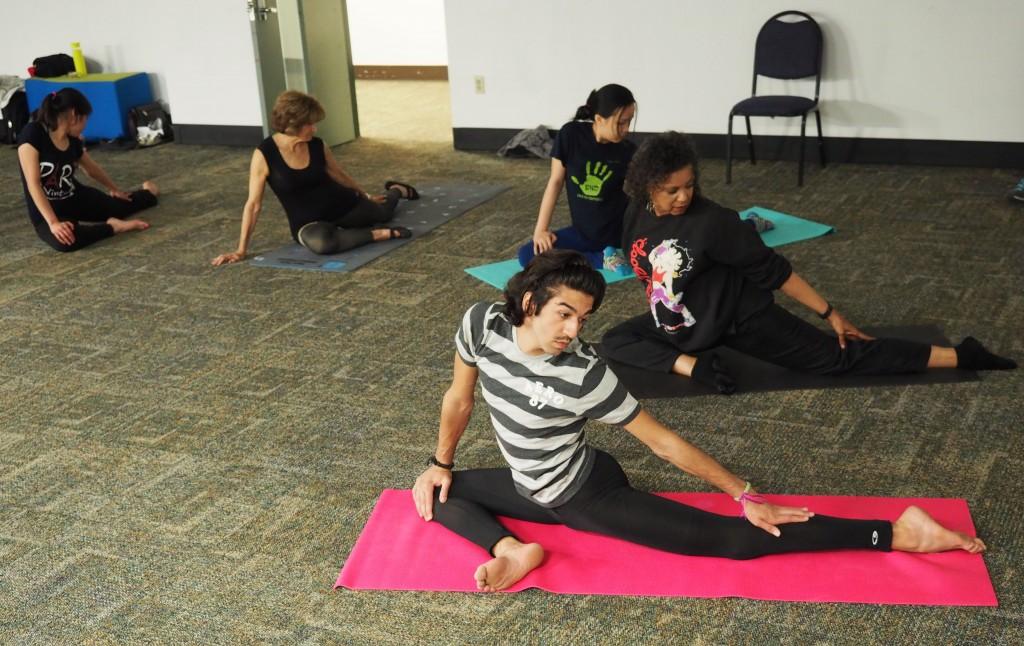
[(399, 551)]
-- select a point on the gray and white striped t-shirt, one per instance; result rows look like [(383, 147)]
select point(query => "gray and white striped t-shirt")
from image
[(539, 404)]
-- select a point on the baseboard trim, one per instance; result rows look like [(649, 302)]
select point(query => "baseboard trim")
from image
[(216, 135), (402, 72), (846, 150)]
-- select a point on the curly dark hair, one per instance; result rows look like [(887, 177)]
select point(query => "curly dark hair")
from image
[(544, 275), (656, 159)]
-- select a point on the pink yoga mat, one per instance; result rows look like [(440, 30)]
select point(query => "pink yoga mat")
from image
[(399, 551)]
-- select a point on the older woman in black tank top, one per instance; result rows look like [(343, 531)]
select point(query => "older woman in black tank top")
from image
[(328, 211)]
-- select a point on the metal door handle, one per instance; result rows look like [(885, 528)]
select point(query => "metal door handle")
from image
[(263, 13)]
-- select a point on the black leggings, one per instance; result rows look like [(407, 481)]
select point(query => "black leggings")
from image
[(89, 209), (351, 230), (608, 505), (776, 336)]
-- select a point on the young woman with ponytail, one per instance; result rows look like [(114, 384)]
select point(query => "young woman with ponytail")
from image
[(591, 150), (66, 214)]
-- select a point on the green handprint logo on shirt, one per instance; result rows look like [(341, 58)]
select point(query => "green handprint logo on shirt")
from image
[(595, 179)]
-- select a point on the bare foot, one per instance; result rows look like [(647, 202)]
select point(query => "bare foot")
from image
[(151, 187), (403, 191), (124, 226), (513, 563), (389, 233), (916, 531)]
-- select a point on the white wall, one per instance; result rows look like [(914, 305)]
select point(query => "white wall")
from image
[(397, 32), (198, 52), (915, 69)]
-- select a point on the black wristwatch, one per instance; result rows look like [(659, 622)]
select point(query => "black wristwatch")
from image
[(828, 311), (434, 462)]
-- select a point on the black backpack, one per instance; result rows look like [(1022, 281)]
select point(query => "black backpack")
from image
[(53, 65), (13, 118), (155, 122)]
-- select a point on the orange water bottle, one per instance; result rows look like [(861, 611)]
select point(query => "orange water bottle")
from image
[(76, 55)]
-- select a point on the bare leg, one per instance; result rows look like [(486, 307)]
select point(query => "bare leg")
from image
[(124, 226), (684, 365), (916, 531), (942, 357), (512, 561)]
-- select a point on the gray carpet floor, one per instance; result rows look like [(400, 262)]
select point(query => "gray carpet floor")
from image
[(188, 453)]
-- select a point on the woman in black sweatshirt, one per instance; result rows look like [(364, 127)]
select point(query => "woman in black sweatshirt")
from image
[(709, 280)]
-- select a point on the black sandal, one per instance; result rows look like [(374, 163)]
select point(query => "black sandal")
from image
[(399, 232), (411, 192)]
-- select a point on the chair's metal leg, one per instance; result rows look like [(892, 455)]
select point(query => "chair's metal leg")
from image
[(750, 141), (800, 173), (728, 153), (821, 140)]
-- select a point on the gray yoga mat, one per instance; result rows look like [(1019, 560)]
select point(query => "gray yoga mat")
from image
[(754, 375), (438, 203)]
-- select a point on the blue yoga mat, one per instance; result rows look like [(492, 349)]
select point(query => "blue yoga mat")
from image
[(438, 204), (788, 228), (497, 274)]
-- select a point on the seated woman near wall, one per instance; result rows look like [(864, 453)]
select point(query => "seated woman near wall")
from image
[(709, 280), (66, 214), (593, 151), (327, 210)]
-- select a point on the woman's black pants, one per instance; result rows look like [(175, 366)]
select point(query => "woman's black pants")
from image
[(89, 209), (773, 335)]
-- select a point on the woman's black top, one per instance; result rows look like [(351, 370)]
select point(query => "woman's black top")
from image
[(56, 167), (703, 271), (308, 194)]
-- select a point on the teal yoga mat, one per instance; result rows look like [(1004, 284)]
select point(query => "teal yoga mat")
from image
[(788, 228), (497, 274)]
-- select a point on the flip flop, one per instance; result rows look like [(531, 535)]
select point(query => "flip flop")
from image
[(413, 194)]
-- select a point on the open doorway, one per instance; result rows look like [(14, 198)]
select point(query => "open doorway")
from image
[(400, 59)]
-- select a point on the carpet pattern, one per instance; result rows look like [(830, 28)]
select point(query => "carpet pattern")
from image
[(188, 453)]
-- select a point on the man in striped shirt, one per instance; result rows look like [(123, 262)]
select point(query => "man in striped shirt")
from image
[(541, 383)]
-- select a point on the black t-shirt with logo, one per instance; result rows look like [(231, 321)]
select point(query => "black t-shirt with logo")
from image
[(594, 174), (703, 271), (56, 167)]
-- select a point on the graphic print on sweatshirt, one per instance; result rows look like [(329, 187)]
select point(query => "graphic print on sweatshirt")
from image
[(669, 260), (597, 173), (57, 185)]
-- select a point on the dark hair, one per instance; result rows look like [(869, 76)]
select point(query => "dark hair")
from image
[(544, 275), (657, 158), (605, 102), (56, 103)]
